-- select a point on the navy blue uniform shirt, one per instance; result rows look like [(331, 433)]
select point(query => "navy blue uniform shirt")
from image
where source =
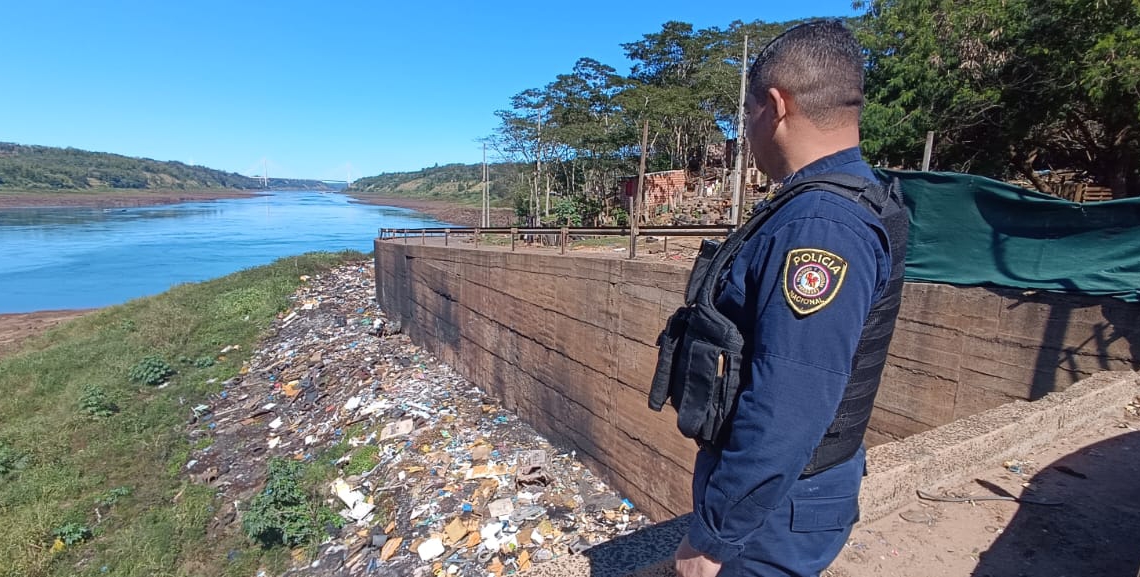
[(800, 364)]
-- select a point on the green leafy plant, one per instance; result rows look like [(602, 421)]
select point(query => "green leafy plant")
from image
[(203, 362), (363, 460), (11, 460), (283, 514), (620, 216), (72, 533), (111, 497), (96, 402), (151, 370)]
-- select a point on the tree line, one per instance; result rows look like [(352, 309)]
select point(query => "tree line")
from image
[(1011, 89), (46, 168)]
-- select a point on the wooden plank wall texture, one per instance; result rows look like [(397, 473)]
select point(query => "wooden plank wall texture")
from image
[(568, 343)]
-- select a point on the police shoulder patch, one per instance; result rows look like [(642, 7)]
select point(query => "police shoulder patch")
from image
[(812, 278)]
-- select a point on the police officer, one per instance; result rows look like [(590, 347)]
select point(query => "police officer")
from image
[(800, 292)]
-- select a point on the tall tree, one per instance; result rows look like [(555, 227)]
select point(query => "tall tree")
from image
[(1009, 86)]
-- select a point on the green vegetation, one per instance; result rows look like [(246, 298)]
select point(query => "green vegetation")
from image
[(284, 513), (59, 465), (72, 533), (1038, 90), (152, 370), (47, 169), (460, 183), (96, 402), (1010, 87), (363, 460)]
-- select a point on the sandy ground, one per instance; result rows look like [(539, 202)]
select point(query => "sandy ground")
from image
[(113, 199), (1095, 530), (459, 214), (14, 328)]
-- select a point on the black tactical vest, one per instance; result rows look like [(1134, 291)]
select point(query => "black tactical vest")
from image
[(700, 356)]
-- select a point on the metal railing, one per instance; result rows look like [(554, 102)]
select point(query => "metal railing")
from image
[(563, 233)]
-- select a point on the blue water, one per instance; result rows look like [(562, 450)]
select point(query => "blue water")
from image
[(62, 258)]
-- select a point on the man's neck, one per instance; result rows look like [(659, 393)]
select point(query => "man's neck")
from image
[(814, 145)]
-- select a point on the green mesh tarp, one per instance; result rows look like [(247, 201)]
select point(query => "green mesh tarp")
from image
[(969, 230)]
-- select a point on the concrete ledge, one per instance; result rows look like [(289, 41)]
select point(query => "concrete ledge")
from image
[(958, 451), (947, 455)]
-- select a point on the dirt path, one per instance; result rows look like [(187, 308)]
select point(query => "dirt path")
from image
[(113, 199), (1092, 532), (15, 328)]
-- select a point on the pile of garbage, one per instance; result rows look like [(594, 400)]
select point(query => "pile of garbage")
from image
[(432, 475)]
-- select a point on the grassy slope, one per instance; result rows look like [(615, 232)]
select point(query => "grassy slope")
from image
[(71, 459), (456, 183)]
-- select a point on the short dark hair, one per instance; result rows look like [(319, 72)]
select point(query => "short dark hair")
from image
[(820, 64)]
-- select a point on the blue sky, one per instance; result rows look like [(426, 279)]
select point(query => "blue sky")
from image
[(309, 88)]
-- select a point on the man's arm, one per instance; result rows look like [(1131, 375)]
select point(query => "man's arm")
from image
[(799, 370)]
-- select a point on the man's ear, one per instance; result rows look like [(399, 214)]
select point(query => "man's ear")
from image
[(778, 104)]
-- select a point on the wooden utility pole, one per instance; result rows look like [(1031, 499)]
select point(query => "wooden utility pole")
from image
[(486, 197), (635, 205), (928, 151), (741, 152), (538, 172)]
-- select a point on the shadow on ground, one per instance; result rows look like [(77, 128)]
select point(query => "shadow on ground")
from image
[(1095, 532)]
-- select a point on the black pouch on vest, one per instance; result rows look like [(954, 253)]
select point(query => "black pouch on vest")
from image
[(675, 329), (707, 376)]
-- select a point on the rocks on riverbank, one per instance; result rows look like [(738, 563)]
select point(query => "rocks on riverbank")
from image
[(432, 476)]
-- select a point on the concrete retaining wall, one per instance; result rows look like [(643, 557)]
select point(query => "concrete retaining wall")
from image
[(567, 342), (960, 351)]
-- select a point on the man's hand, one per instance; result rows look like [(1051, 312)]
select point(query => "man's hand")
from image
[(693, 563)]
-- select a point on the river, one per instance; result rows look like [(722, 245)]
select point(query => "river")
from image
[(66, 258)]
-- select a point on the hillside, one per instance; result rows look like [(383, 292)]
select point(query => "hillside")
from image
[(48, 169), (462, 183)]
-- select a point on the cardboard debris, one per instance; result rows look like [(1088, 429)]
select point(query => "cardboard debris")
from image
[(424, 458), (455, 530), (500, 507), (396, 429), (390, 548)]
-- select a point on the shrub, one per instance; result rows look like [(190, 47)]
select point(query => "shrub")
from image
[(11, 460), (151, 370), (72, 533), (282, 513), (111, 497), (96, 402), (620, 216)]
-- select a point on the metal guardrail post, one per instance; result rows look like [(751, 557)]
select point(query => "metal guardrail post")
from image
[(514, 235), (446, 236), (563, 236), (665, 249), (477, 237), (423, 237), (405, 236)]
